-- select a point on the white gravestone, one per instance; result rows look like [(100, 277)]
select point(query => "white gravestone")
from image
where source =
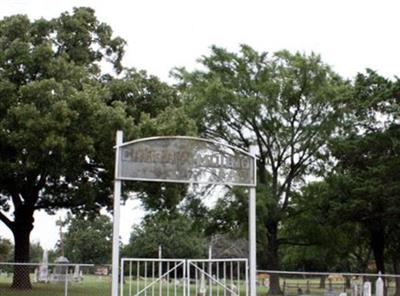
[(43, 272), (202, 290), (354, 290), (77, 274), (367, 289), (379, 286)]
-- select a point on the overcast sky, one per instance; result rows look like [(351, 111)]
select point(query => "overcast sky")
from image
[(350, 35)]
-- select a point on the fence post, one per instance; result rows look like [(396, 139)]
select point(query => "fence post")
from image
[(160, 270), (66, 282), (210, 268)]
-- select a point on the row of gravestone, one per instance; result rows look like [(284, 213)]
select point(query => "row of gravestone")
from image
[(364, 289), (59, 274), (367, 288)]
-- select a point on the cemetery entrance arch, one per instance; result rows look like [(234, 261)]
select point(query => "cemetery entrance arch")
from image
[(183, 160)]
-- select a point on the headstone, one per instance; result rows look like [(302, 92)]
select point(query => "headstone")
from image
[(77, 274), (233, 290), (354, 289), (43, 272), (202, 289), (367, 289), (60, 273), (379, 286), (308, 287), (35, 275)]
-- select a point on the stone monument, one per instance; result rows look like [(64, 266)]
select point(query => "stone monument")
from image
[(60, 273), (42, 273)]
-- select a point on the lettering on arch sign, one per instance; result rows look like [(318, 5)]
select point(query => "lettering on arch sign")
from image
[(185, 160)]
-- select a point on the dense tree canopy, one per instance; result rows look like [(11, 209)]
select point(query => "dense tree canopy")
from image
[(176, 235), (288, 105), (55, 125), (318, 240), (365, 185), (58, 117), (88, 239)]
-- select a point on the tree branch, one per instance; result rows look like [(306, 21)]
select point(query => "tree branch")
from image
[(6, 221), (16, 199)]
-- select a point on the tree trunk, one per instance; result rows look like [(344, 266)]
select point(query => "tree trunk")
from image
[(273, 258), (22, 229), (347, 281), (378, 248)]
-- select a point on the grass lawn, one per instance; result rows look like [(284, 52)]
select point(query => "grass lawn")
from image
[(91, 286), (101, 286)]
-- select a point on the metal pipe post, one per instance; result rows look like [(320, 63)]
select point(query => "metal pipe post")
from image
[(252, 240), (160, 270), (210, 280), (116, 220)]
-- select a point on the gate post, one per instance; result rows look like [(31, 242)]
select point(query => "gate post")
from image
[(252, 240), (116, 218), (252, 228)]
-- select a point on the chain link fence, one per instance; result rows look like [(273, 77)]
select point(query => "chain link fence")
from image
[(54, 279), (326, 284)]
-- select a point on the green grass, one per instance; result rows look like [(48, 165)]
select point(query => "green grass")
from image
[(99, 286), (91, 286)]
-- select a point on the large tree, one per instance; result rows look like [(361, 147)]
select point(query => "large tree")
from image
[(56, 129), (176, 233), (365, 186), (88, 239), (286, 104), (318, 239)]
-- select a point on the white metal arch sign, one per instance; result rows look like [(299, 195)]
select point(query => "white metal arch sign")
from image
[(183, 160)]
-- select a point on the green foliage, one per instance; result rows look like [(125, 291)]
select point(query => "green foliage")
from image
[(58, 118), (315, 239), (229, 215), (143, 94), (176, 234), (56, 129), (6, 248), (89, 239), (288, 105), (7, 251), (36, 252), (54, 124), (364, 186), (156, 111)]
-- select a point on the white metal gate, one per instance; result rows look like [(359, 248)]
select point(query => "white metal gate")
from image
[(152, 277), (217, 277), (177, 277)]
